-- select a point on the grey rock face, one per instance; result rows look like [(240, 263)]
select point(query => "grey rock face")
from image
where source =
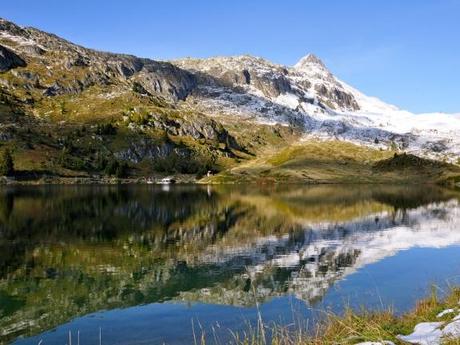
[(53, 90), (144, 149), (335, 128), (272, 87), (309, 81), (167, 79), (9, 60), (77, 61), (232, 78), (436, 146), (334, 95), (33, 80), (198, 128), (11, 28), (32, 49)]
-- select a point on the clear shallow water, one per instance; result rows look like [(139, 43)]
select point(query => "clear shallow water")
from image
[(146, 264)]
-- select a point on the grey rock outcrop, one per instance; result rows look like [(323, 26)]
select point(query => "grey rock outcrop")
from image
[(9, 60), (334, 96), (90, 66)]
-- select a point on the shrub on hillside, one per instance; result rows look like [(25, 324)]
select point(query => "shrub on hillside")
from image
[(68, 161), (106, 129), (6, 163), (116, 168), (138, 88)]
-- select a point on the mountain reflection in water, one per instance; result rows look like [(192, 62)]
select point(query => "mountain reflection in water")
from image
[(70, 251)]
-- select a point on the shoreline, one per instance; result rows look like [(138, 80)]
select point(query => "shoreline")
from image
[(60, 180), (191, 180), (432, 321)]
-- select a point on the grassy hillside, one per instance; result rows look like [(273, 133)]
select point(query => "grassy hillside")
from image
[(129, 135), (113, 132), (315, 161)]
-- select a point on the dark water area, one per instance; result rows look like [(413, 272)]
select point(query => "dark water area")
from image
[(156, 264)]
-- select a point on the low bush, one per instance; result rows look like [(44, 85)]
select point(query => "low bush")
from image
[(6, 163)]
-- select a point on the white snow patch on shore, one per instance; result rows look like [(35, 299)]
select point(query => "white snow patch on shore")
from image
[(425, 333), (445, 312), (385, 342)]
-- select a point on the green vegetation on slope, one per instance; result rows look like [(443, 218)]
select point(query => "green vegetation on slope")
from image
[(102, 128), (84, 145), (316, 161)]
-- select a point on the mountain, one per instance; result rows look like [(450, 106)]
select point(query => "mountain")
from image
[(309, 95), (70, 111)]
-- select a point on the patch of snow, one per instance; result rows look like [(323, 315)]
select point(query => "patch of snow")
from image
[(366, 103), (288, 100), (385, 342), (425, 333), (290, 260), (431, 333), (23, 41), (445, 312), (452, 330)]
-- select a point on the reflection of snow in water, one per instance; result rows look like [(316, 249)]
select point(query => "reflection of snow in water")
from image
[(326, 252)]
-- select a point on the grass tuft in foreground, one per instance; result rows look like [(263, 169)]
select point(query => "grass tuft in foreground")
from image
[(354, 327)]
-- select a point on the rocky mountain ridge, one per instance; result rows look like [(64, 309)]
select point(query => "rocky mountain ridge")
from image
[(57, 53), (217, 105)]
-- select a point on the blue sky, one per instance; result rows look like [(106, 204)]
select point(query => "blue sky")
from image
[(405, 52)]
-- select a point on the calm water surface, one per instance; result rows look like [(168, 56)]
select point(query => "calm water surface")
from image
[(147, 265)]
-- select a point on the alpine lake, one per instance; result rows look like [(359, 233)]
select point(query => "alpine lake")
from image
[(170, 264)]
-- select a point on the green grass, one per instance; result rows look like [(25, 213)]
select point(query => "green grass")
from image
[(355, 326), (333, 161)]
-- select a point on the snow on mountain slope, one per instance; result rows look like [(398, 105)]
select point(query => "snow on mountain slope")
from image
[(306, 96), (431, 134), (310, 96), (323, 253), (434, 135)]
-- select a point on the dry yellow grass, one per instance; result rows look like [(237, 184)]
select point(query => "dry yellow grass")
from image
[(331, 161), (354, 327)]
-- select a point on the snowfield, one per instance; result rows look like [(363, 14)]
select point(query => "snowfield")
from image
[(309, 96)]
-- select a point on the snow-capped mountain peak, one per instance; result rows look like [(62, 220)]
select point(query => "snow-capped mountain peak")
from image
[(309, 60), (308, 95)]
